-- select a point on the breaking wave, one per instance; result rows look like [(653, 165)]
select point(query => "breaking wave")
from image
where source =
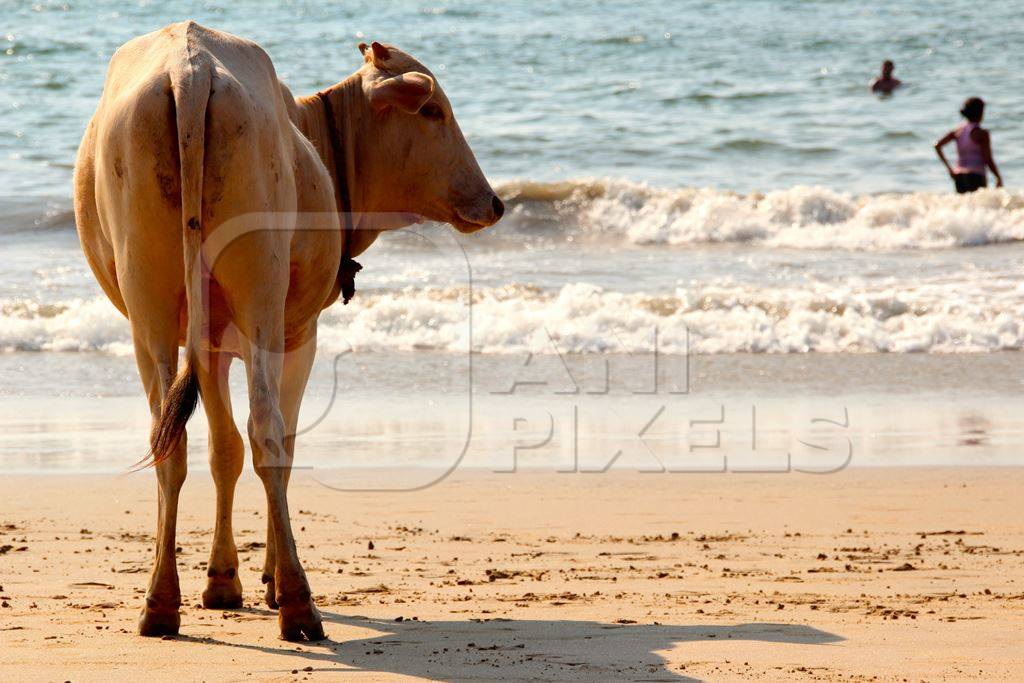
[(723, 317), (800, 217)]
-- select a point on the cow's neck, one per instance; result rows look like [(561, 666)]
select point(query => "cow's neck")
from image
[(348, 105)]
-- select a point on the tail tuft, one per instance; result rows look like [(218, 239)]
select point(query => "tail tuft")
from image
[(178, 406)]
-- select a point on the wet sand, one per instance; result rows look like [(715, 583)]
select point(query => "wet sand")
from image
[(85, 413), (887, 574)]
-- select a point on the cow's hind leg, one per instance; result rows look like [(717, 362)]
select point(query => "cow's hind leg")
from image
[(272, 457), (270, 565), (223, 587), (157, 358), (295, 374)]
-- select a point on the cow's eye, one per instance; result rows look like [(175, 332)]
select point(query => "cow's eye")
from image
[(432, 111)]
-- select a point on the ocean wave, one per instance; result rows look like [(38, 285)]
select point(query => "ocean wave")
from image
[(459, 12), (801, 217), (702, 96), (747, 145), (624, 39), (940, 316), (75, 325), (35, 215)]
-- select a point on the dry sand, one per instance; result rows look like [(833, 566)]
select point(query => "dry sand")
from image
[(894, 574)]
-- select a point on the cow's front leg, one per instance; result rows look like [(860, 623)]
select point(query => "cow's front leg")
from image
[(223, 587), (271, 433), (160, 613)]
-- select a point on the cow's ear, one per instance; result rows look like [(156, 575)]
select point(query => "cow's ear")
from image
[(380, 54), (408, 92), (375, 53)]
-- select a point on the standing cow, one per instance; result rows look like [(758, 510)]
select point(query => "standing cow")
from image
[(195, 143)]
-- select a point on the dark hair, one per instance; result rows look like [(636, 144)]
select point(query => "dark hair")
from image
[(974, 108)]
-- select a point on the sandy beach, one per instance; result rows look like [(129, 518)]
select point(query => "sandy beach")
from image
[(730, 388), (868, 574)]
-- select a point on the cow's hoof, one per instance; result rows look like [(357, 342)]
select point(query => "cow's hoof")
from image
[(223, 593), (155, 621), (300, 620), (271, 595)]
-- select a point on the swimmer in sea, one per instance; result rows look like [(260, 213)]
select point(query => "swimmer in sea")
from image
[(973, 150), (885, 83)]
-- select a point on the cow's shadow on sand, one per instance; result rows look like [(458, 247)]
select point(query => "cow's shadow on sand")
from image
[(519, 649)]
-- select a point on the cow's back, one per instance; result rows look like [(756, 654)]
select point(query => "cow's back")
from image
[(135, 137), (136, 164)]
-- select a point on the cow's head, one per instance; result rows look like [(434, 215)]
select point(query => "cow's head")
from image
[(418, 146)]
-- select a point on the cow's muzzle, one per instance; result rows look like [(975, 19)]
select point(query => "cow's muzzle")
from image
[(469, 220)]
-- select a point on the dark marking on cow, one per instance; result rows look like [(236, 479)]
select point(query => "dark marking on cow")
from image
[(228, 573), (193, 223), (165, 156), (213, 182), (169, 189)]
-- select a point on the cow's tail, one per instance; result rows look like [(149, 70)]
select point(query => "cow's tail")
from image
[(191, 89)]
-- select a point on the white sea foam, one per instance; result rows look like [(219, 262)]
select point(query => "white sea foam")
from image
[(941, 316), (78, 325), (799, 217), (961, 301)]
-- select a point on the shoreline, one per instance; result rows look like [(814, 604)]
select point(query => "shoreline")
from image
[(907, 410), (766, 576)]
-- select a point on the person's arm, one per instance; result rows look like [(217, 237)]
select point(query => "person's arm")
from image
[(945, 140), (985, 140)]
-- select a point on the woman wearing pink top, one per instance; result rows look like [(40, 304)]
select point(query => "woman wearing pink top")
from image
[(973, 150)]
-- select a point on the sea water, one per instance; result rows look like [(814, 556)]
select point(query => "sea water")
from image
[(700, 178)]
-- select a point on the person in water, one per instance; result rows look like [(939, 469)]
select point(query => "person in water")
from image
[(973, 150), (885, 82)]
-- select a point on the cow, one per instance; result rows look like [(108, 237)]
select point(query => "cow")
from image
[(195, 142)]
